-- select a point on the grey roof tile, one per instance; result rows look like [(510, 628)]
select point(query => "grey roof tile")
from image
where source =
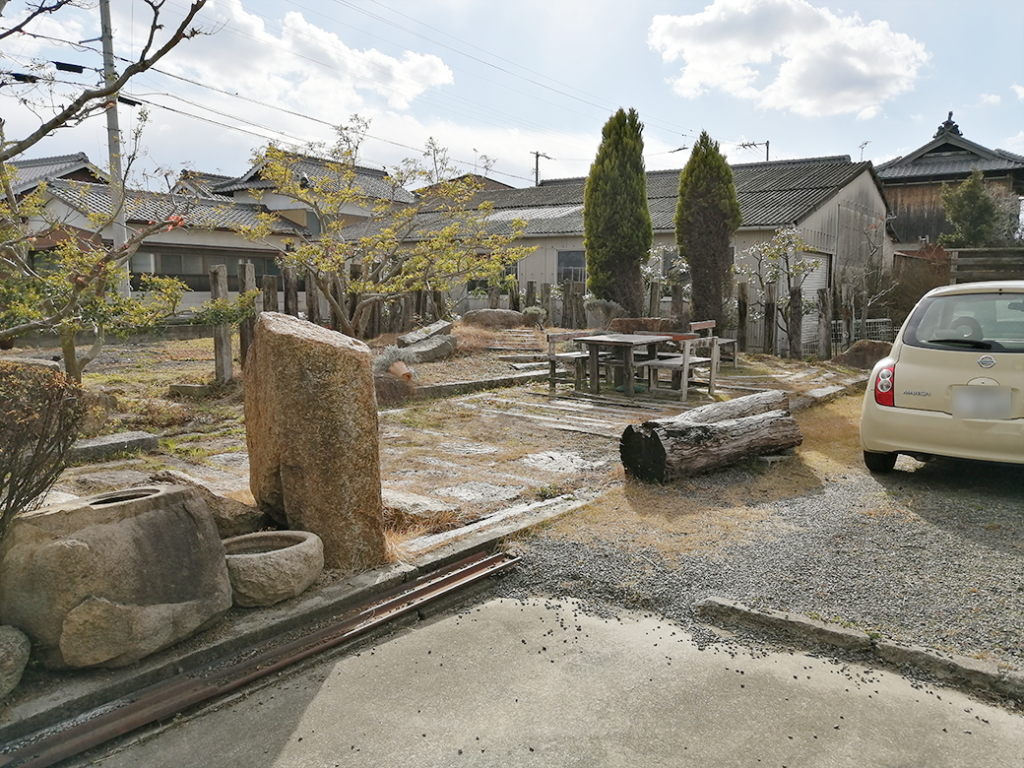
[(208, 213), (371, 182), (29, 173)]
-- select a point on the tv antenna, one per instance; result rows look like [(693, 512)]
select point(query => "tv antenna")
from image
[(753, 144), (862, 145), (536, 166)]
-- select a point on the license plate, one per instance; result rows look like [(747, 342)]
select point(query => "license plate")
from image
[(981, 402)]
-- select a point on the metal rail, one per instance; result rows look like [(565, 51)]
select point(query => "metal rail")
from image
[(163, 700)]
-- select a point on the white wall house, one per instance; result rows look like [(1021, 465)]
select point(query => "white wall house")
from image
[(837, 206)]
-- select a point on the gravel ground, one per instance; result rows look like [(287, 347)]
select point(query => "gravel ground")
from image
[(932, 557)]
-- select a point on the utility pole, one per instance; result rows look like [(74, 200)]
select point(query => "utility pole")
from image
[(536, 166), (119, 234)]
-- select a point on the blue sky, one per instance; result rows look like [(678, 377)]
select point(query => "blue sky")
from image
[(497, 80)]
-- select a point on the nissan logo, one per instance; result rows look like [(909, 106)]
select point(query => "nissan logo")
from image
[(986, 361)]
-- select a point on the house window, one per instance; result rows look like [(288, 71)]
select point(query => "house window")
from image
[(572, 265)]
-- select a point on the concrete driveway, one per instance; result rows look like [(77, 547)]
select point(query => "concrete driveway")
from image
[(539, 683)]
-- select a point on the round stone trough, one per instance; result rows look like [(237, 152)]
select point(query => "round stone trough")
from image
[(270, 566)]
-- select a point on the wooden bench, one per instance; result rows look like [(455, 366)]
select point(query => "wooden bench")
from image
[(577, 359), (680, 365), (704, 329)]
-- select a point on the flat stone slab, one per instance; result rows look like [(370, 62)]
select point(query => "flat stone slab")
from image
[(99, 448), (477, 491), (413, 503), (191, 390), (422, 334)]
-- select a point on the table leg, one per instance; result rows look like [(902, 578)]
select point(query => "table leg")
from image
[(627, 364), (595, 381)]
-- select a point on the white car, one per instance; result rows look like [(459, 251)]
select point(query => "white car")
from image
[(953, 383)]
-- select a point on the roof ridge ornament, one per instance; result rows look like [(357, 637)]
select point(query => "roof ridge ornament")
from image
[(948, 127)]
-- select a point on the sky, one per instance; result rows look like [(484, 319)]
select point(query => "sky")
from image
[(521, 88)]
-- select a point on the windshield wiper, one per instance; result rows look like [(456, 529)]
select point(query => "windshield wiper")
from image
[(972, 343)]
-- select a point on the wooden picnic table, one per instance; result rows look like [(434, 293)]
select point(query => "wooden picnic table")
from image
[(620, 348)]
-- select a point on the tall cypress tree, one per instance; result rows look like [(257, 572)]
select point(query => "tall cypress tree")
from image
[(616, 220), (707, 215)]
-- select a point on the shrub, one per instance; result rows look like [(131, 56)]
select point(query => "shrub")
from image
[(535, 316), (40, 411)]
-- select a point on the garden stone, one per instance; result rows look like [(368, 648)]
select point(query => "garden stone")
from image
[(233, 518), (14, 653), (271, 566), (422, 334), (863, 354), (311, 429), (494, 318), (107, 580), (434, 348)]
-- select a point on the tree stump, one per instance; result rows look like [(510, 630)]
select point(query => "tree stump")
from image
[(709, 437)]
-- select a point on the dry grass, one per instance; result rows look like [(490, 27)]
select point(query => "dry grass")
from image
[(701, 514)]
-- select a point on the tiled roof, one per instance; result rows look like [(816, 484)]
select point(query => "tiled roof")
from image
[(202, 184), (949, 156), (201, 212), (372, 182), (29, 173), (771, 194)]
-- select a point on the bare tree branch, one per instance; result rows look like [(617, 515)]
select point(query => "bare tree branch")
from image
[(95, 99)]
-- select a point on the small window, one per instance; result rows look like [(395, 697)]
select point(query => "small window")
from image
[(572, 265)]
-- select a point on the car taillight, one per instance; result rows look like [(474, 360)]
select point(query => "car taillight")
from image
[(884, 385)]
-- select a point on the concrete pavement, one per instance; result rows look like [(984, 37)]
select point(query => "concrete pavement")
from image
[(544, 684)]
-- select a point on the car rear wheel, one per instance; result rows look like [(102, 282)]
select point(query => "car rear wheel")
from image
[(879, 462)]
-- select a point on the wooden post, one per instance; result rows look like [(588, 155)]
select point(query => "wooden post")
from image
[(408, 310), (579, 309), (269, 285), (547, 303), (531, 293), (513, 295), (246, 284), (654, 300), (568, 306), (221, 333), (795, 323), (770, 322), (824, 324), (291, 291), (742, 311), (313, 313)]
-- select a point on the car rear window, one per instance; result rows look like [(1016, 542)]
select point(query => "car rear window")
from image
[(992, 321)]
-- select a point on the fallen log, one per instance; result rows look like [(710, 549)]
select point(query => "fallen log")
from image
[(708, 438)]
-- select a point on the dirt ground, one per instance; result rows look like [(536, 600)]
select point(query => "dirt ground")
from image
[(468, 456)]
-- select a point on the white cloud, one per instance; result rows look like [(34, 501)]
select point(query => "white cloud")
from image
[(299, 65), (1019, 90), (789, 55), (990, 99), (1016, 143)]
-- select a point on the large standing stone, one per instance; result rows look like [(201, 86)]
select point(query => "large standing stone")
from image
[(108, 579), (311, 427), (14, 653)]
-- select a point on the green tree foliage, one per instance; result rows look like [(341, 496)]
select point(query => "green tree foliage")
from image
[(707, 215), (980, 217), (431, 244), (617, 231)]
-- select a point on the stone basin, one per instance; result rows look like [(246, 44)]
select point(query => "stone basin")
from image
[(270, 566)]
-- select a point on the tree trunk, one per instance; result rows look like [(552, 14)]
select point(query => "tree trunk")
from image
[(742, 311), (709, 437), (795, 324), (246, 283), (770, 320), (824, 324)]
